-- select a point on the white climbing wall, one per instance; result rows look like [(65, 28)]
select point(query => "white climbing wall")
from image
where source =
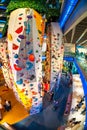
[(25, 31), (57, 51)]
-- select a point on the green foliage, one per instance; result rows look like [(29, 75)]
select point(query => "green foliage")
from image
[(14, 4), (52, 14), (39, 5)]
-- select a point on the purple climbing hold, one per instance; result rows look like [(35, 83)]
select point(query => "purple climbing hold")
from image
[(27, 42), (29, 16), (17, 61), (25, 58), (21, 74), (21, 36), (22, 49)]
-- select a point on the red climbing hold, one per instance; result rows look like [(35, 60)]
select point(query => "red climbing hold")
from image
[(20, 18), (19, 30), (31, 57), (15, 47), (17, 67)]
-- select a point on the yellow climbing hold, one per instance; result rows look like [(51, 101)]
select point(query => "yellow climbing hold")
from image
[(10, 37)]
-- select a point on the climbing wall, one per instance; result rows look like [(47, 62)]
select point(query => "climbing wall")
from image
[(4, 60), (57, 51), (25, 33), (6, 68)]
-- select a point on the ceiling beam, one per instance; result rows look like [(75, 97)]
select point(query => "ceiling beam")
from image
[(73, 32), (82, 42), (76, 22), (81, 36), (85, 45), (65, 41)]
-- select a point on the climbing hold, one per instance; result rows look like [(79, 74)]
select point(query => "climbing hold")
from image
[(9, 37), (27, 42), (30, 52), (18, 40), (15, 47), (16, 56), (21, 36), (20, 81), (21, 14), (29, 65), (20, 18), (19, 30), (17, 67), (17, 61), (36, 51), (31, 57), (29, 16)]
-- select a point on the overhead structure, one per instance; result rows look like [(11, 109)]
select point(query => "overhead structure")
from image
[(75, 25), (68, 7)]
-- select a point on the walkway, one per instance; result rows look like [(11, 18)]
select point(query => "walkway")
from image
[(79, 115)]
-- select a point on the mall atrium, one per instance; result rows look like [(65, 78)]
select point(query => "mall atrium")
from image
[(43, 64)]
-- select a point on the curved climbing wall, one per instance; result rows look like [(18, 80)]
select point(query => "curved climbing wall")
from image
[(25, 32), (57, 51), (5, 62)]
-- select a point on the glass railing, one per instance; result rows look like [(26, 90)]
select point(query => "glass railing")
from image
[(82, 61)]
